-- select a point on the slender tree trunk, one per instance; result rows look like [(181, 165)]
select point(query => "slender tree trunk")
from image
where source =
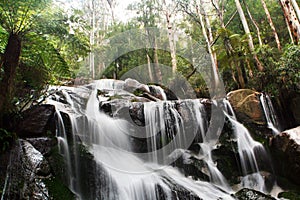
[(229, 50), (271, 24), (255, 24), (172, 44), (296, 8), (215, 78), (291, 17), (9, 62), (247, 31), (149, 68), (156, 63)]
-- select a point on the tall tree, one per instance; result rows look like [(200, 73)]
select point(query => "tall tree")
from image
[(169, 11), (247, 31), (271, 24), (291, 17), (18, 18)]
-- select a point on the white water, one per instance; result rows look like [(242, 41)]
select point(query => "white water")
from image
[(246, 150), (269, 113), (130, 176)]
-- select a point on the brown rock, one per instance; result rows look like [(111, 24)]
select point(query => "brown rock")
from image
[(246, 104)]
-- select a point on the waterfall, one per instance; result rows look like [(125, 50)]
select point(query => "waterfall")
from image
[(269, 113), (169, 126), (247, 147)]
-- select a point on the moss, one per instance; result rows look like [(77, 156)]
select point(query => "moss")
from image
[(293, 195), (57, 189), (115, 97), (138, 92)]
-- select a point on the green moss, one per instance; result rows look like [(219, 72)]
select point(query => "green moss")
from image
[(293, 195), (115, 97), (57, 189), (138, 92)]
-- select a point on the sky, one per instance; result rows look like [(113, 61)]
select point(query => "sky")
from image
[(121, 13)]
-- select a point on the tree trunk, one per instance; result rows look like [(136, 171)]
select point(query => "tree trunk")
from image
[(255, 24), (296, 8), (229, 50), (271, 24), (215, 78), (171, 43), (156, 64), (247, 31), (291, 17), (9, 62)]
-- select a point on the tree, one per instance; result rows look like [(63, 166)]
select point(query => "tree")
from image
[(291, 17), (17, 18), (247, 31), (169, 11), (40, 46), (271, 24)]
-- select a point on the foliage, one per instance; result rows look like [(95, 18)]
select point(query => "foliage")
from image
[(288, 69)]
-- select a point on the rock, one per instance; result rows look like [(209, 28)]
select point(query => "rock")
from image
[(190, 165), (43, 144), (247, 105), (285, 148), (295, 108), (34, 160), (37, 121), (26, 173), (250, 194), (132, 85)]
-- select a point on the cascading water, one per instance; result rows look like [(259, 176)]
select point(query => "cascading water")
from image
[(129, 175), (269, 112), (246, 150)]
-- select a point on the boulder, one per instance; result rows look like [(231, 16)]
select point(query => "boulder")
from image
[(285, 148), (247, 105), (37, 121), (132, 85)]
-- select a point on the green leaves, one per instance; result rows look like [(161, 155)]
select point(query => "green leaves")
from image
[(18, 16)]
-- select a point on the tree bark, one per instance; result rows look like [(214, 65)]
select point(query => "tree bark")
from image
[(291, 17), (215, 78), (255, 24), (9, 62), (247, 31), (172, 43), (296, 8), (271, 24)]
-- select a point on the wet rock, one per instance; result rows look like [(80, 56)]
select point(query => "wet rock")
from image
[(285, 149), (190, 165), (34, 160), (250, 194), (37, 121), (247, 106), (26, 173), (43, 144), (132, 85)]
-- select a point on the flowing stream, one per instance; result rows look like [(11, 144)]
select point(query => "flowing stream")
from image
[(131, 175)]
